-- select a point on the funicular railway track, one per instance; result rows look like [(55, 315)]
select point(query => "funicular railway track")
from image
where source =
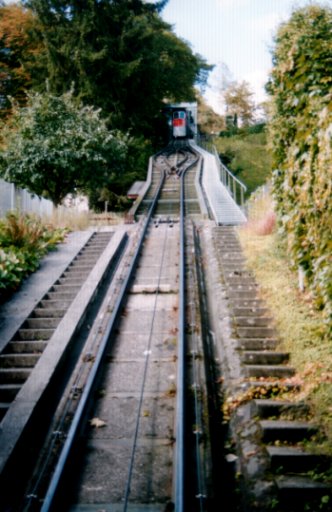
[(122, 418), (136, 424)]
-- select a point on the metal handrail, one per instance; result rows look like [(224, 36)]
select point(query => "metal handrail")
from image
[(231, 182)]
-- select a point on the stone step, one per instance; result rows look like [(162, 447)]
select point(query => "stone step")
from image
[(4, 406), (250, 311), (49, 312), (41, 323), (8, 392), (54, 305), (282, 430), (77, 271), (296, 492), (66, 288), (14, 375), (230, 246), (61, 296), (264, 357), (18, 360), (294, 459), (74, 280), (239, 274), (230, 266), (79, 266), (249, 344), (255, 332), (252, 321), (245, 294), (275, 408), (235, 281), (247, 302), (33, 334), (266, 371), (272, 385), (28, 347)]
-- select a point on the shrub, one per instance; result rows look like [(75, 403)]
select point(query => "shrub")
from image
[(301, 138), (24, 240)]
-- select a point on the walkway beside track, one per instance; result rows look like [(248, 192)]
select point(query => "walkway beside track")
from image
[(224, 209)]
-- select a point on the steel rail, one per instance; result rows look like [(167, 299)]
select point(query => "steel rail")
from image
[(179, 494), (80, 414)]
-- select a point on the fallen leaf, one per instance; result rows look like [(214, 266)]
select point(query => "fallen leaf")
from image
[(98, 423)]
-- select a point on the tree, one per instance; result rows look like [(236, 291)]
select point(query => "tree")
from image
[(301, 139), (18, 51), (121, 56), (56, 146), (239, 103)]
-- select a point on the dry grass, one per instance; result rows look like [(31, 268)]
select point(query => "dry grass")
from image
[(80, 221), (300, 326)]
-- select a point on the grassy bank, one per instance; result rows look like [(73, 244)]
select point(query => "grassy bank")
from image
[(247, 157)]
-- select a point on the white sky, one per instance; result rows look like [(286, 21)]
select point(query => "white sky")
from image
[(238, 33)]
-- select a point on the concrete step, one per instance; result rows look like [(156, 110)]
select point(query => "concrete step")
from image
[(75, 280), (266, 371), (275, 408), (66, 288), (14, 375), (54, 305), (264, 357), (290, 431), (21, 347), (252, 321), (294, 459), (33, 334), (235, 281), (249, 344), (41, 323), (247, 303), (274, 386), (49, 312), (19, 360), (297, 492), (77, 271), (255, 332), (250, 311), (232, 274), (8, 392), (60, 296), (4, 406), (249, 294)]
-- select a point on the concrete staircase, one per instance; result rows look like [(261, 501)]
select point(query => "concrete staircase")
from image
[(269, 431)]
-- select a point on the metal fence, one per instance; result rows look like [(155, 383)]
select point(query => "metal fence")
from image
[(18, 199)]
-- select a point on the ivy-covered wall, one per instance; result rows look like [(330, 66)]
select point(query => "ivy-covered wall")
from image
[(301, 139)]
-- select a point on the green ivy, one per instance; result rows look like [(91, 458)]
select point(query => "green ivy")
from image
[(301, 139)]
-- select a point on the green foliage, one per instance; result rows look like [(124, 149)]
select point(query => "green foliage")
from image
[(301, 140), (246, 155), (121, 56), (18, 52), (56, 146), (24, 240)]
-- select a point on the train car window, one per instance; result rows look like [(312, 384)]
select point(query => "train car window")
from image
[(182, 115), (175, 115)]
